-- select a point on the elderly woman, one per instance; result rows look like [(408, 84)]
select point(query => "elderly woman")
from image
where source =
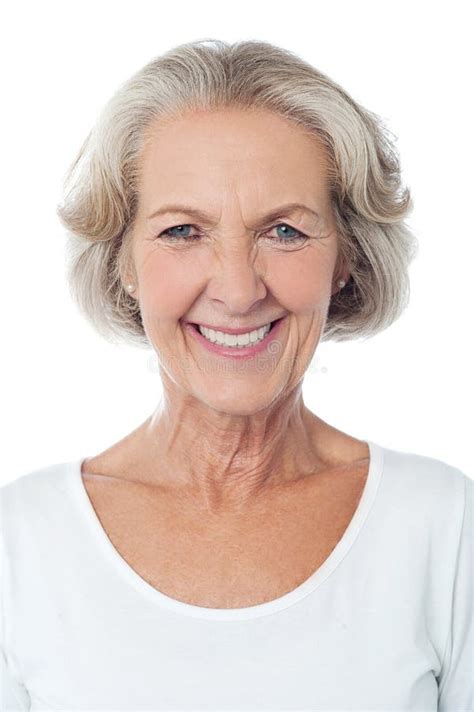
[(232, 208)]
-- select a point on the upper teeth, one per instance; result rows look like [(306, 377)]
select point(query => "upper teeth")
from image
[(220, 337)]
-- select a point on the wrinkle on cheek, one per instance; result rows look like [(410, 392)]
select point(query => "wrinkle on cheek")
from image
[(304, 290)]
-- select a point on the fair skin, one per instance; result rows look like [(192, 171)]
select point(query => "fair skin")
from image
[(227, 446)]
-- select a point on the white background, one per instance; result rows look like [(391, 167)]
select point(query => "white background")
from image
[(66, 393)]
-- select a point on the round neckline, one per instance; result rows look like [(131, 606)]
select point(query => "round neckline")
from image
[(354, 527)]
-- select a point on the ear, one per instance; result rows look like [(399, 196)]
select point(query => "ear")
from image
[(341, 271), (128, 279), (127, 273), (131, 288), (345, 275)]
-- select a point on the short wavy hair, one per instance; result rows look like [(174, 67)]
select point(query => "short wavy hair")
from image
[(370, 204)]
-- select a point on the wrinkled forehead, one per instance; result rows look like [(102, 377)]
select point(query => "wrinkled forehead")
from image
[(215, 153)]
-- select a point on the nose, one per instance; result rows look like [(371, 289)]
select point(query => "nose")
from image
[(237, 279)]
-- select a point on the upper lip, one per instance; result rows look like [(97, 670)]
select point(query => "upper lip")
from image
[(228, 330)]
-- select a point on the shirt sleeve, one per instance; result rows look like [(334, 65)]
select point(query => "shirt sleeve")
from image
[(13, 694), (456, 679)]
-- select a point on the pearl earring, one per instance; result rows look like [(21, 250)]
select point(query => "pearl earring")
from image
[(341, 283), (130, 287)]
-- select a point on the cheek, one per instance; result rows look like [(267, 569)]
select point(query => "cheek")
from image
[(167, 287), (302, 283)]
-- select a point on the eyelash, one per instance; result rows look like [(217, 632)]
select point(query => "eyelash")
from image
[(189, 238)]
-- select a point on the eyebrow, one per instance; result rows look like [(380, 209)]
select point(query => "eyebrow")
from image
[(285, 209)]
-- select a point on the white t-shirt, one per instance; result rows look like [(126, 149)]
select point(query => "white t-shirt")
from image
[(384, 624)]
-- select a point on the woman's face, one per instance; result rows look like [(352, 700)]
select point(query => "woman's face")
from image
[(245, 260)]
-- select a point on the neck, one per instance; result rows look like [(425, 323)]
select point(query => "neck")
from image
[(224, 460)]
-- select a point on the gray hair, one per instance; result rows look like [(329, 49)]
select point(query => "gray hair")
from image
[(100, 195)]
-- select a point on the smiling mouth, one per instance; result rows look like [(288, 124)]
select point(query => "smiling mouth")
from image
[(272, 324)]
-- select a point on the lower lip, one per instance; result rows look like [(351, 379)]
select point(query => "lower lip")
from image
[(241, 352)]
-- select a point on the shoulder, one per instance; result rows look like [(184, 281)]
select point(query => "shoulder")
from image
[(432, 491), (31, 499), (423, 472), (34, 482)]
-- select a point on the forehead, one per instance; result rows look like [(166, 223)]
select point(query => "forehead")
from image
[(243, 148)]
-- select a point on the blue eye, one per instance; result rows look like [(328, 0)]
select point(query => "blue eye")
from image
[(297, 237), (172, 236), (180, 235)]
